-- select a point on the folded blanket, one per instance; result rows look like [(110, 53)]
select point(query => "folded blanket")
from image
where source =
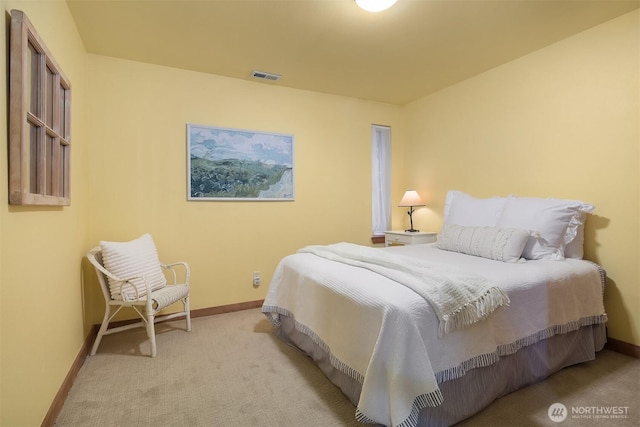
[(458, 298)]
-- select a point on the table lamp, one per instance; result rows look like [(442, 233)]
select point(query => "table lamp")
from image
[(410, 199)]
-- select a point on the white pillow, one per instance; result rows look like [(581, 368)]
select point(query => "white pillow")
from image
[(575, 246), (135, 258), (463, 209), (553, 223), (497, 243)]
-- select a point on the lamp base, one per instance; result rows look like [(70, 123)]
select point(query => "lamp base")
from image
[(411, 230)]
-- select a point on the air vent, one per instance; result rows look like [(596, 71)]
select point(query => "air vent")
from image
[(265, 76)]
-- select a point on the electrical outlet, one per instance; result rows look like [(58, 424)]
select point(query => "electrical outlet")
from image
[(256, 278)]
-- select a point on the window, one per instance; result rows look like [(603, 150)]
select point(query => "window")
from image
[(39, 121), (381, 178)]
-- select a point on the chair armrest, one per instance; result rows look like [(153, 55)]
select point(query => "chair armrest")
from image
[(129, 282), (126, 282), (105, 276), (171, 268)]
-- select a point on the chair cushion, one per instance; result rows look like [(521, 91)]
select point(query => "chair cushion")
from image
[(168, 295), (124, 260)]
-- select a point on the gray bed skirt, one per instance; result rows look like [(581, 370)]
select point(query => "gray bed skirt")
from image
[(465, 396)]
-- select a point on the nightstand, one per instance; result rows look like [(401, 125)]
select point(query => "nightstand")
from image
[(401, 238)]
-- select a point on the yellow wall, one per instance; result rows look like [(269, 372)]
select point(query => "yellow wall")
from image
[(41, 302), (137, 172), (561, 122)]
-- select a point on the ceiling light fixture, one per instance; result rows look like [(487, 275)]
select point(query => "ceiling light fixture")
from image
[(375, 5)]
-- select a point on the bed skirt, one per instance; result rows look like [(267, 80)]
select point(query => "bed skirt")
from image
[(466, 396)]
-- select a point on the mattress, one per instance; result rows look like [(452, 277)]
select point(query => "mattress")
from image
[(381, 338)]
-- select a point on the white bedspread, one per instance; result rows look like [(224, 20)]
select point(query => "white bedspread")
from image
[(458, 297), (385, 335)]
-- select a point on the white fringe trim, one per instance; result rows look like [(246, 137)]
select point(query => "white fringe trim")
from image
[(432, 399), (473, 312), (270, 311), (465, 314), (507, 349), (274, 313)]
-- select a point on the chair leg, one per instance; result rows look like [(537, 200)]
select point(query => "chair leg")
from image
[(103, 329), (151, 332), (185, 301)]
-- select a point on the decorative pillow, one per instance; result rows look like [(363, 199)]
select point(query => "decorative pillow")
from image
[(553, 223), (135, 258), (463, 209), (497, 243), (575, 246)]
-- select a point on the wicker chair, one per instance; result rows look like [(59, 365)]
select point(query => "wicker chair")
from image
[(144, 299)]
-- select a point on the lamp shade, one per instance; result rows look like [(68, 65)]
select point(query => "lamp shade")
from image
[(375, 5), (411, 198)]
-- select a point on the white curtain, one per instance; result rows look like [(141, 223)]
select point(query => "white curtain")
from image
[(381, 178)]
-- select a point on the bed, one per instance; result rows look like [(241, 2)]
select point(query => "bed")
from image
[(428, 335)]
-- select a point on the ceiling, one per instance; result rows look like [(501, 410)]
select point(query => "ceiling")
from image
[(406, 52)]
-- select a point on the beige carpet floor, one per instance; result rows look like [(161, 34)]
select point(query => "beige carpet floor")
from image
[(230, 370)]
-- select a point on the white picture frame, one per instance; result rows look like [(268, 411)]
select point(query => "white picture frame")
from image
[(225, 164)]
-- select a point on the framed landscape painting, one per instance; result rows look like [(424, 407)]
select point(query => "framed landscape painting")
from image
[(234, 164)]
